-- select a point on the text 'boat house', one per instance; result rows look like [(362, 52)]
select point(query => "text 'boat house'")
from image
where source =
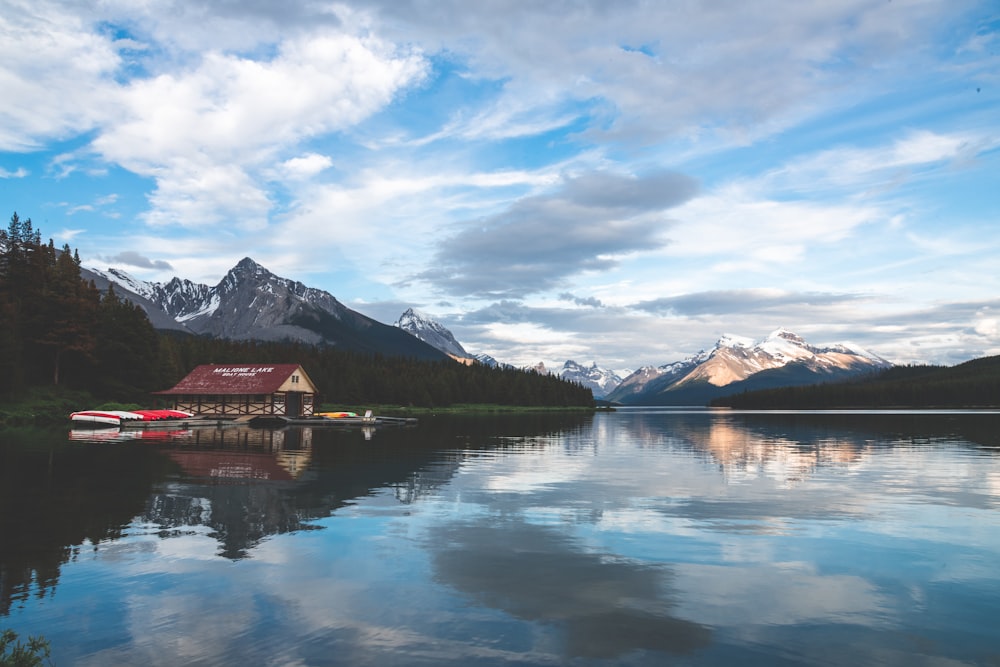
[(214, 390)]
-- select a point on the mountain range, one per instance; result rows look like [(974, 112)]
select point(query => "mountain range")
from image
[(250, 302), (599, 380), (739, 364)]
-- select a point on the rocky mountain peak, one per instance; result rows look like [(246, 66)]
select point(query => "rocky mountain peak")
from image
[(250, 302), (431, 332), (600, 381), (737, 359)]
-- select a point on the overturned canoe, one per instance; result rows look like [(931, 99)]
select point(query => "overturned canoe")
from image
[(116, 417)]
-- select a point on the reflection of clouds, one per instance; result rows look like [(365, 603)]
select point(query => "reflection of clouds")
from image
[(202, 630), (530, 475), (774, 594), (607, 606)]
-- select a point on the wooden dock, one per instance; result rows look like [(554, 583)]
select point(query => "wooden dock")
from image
[(278, 421), (269, 421)]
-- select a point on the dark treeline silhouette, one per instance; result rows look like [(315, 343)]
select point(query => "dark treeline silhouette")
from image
[(972, 384), (57, 329)]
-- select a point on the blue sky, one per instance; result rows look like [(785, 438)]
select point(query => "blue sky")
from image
[(619, 182)]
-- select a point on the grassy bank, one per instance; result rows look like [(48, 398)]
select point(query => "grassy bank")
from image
[(52, 405)]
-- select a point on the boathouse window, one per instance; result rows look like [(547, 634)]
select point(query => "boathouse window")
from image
[(295, 379)]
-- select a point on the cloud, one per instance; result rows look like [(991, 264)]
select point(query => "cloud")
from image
[(206, 133), (44, 49), (20, 172), (608, 607), (132, 258), (588, 301), (98, 202), (730, 302), (880, 166), (305, 166), (649, 72), (540, 240)]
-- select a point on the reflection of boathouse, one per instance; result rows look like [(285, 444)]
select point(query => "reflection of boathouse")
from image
[(214, 390)]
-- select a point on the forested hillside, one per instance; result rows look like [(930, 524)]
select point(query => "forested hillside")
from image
[(56, 329), (974, 383)]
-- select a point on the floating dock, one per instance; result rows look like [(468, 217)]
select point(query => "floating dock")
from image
[(277, 421)]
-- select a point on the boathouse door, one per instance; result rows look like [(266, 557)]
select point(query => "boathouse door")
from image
[(293, 404)]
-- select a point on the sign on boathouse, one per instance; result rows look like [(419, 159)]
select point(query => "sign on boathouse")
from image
[(215, 390)]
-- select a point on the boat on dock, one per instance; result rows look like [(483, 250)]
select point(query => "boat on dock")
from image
[(119, 417), (179, 419)]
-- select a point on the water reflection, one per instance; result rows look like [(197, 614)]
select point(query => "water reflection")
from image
[(606, 606), (242, 484), (623, 538), (55, 497)]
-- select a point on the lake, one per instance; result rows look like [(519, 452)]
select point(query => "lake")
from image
[(635, 537)]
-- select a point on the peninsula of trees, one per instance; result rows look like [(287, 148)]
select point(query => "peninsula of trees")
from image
[(59, 330), (973, 384)]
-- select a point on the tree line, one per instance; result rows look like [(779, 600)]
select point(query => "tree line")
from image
[(58, 330), (972, 384)]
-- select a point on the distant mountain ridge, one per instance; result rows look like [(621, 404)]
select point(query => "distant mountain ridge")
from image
[(741, 364), (600, 381), (250, 302)]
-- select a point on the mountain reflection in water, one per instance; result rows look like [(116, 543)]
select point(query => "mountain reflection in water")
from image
[(640, 537)]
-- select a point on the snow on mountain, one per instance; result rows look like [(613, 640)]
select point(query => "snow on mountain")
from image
[(735, 358), (132, 284), (431, 332), (250, 302), (599, 380), (487, 360)]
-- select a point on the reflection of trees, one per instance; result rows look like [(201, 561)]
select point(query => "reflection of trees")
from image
[(245, 484), (606, 606), (55, 495)]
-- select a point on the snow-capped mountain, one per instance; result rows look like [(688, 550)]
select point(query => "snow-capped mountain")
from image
[(431, 332), (250, 302), (736, 363), (599, 380), (487, 360)]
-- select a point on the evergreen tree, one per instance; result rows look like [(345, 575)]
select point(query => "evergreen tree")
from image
[(68, 314)]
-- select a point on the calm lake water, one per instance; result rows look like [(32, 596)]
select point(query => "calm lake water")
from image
[(638, 537)]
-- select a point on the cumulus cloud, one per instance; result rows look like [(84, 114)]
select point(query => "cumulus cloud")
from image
[(540, 240), (305, 166), (204, 133), (46, 49)]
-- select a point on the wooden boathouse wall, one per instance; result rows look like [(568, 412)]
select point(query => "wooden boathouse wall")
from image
[(214, 390)]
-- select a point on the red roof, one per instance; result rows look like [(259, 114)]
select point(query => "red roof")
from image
[(226, 465), (235, 379)]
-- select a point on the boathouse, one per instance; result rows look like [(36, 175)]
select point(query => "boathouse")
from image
[(214, 390)]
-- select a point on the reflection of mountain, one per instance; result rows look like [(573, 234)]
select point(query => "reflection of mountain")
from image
[(607, 606), (792, 446), (791, 456)]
